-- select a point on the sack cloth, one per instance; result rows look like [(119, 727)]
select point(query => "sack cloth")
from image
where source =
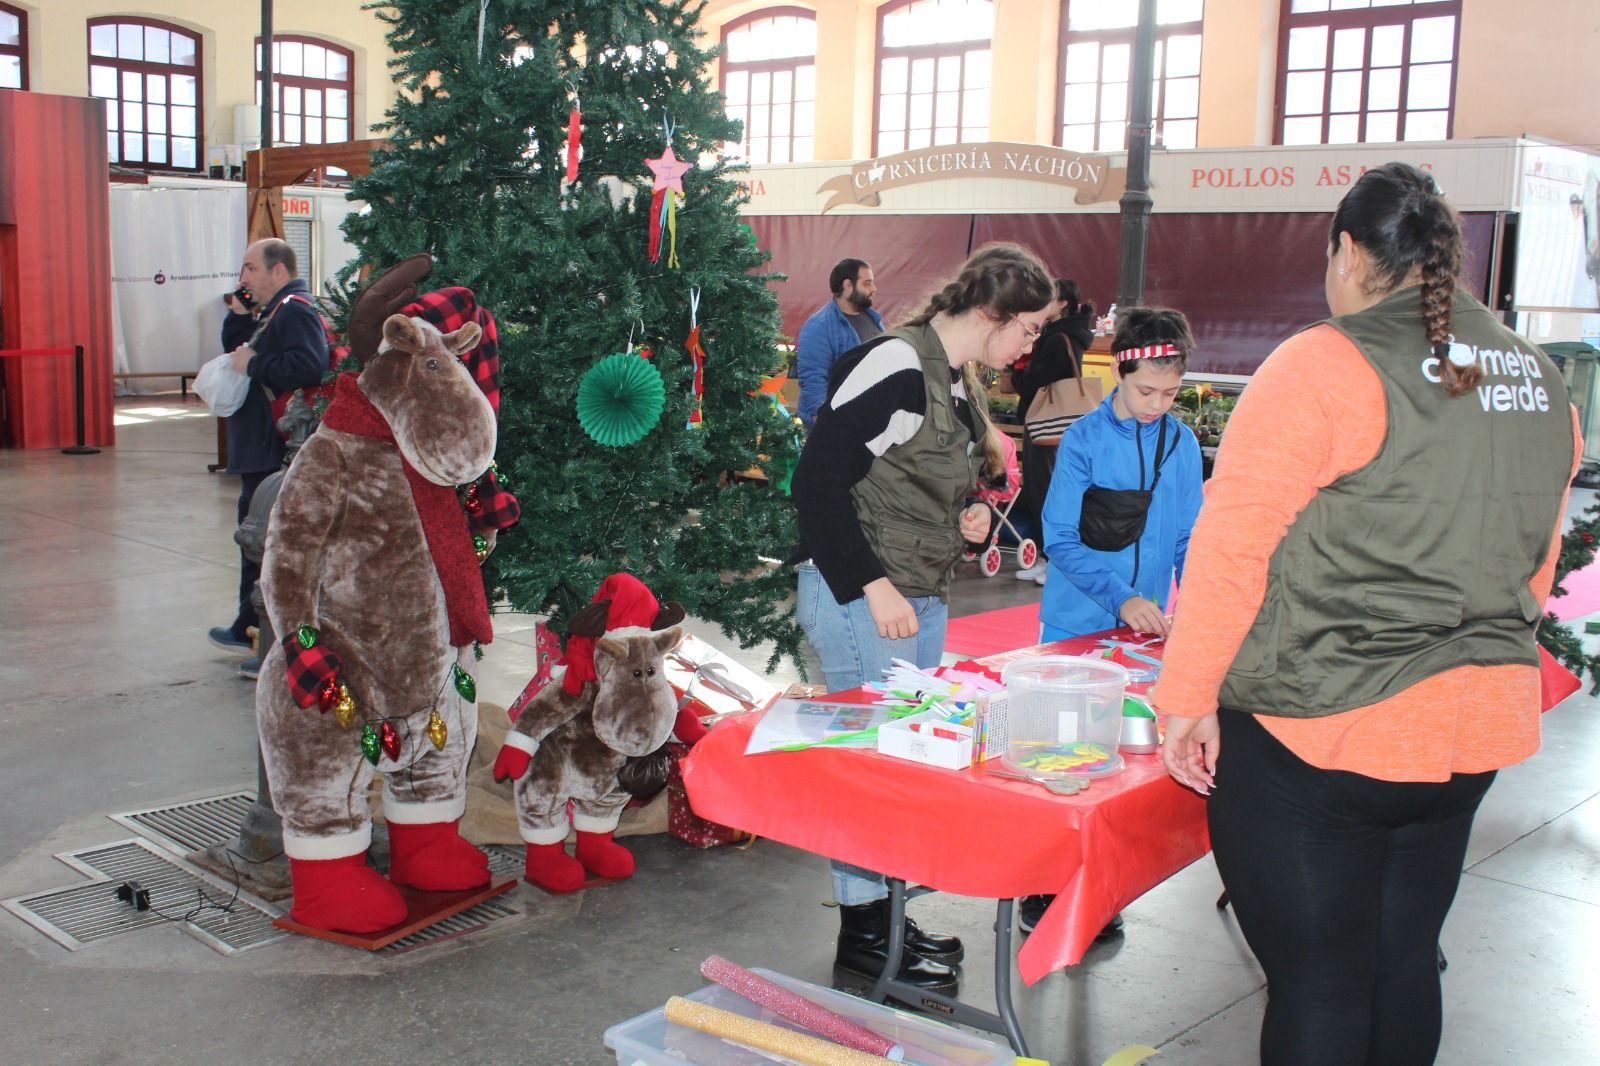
[(221, 386), (1112, 519), (1061, 403)]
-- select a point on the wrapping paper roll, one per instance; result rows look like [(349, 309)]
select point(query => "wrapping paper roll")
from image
[(798, 1009), (765, 1037)]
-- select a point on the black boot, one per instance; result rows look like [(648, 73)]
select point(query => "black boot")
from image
[(864, 948), (930, 945)]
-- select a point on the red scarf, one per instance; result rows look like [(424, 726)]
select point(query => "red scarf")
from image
[(444, 524)]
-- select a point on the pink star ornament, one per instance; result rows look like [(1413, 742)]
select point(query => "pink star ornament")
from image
[(669, 171)]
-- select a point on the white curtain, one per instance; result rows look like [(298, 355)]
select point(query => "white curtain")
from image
[(174, 252)]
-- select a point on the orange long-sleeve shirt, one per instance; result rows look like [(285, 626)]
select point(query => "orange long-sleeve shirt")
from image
[(1314, 412)]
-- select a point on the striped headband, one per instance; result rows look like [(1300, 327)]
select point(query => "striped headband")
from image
[(1149, 351)]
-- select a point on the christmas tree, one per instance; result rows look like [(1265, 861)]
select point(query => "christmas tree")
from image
[(1578, 545), (475, 173)]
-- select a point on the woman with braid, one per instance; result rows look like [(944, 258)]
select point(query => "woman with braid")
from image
[(1353, 656), (882, 494)]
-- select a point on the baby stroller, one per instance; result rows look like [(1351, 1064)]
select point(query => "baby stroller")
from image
[(1001, 496)]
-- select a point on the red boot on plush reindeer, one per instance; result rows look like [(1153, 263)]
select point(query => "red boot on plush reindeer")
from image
[(570, 741)]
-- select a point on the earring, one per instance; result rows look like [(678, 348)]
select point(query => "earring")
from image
[(1344, 274)]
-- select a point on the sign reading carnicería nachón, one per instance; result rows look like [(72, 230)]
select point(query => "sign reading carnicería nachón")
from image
[(1092, 176)]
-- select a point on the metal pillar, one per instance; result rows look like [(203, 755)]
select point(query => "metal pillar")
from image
[(1136, 201)]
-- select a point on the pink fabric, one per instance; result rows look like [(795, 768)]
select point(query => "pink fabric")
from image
[(996, 497), (962, 831)]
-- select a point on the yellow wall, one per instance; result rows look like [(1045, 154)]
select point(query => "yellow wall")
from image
[(1521, 75), (58, 48)]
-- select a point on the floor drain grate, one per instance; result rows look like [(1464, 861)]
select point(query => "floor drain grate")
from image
[(186, 827), (470, 920), (505, 859), (83, 914)]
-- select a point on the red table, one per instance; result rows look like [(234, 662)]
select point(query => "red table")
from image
[(964, 831)]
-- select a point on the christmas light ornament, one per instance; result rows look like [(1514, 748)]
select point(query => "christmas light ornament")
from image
[(344, 709), (464, 683), (438, 732), (389, 740), (307, 636), (620, 399), (328, 695), (369, 743)]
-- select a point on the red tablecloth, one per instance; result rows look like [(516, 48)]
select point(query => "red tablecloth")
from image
[(963, 831)]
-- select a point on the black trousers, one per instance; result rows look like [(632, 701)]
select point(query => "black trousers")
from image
[(249, 572), (1341, 884), (1038, 466)]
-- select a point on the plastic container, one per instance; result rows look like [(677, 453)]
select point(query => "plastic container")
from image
[(1065, 715), (650, 1040)]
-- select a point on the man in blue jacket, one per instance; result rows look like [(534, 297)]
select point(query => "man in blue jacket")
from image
[(837, 326), (283, 350)]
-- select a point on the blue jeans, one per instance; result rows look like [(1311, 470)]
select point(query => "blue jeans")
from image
[(846, 639)]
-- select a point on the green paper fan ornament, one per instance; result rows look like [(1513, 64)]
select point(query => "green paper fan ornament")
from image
[(620, 398)]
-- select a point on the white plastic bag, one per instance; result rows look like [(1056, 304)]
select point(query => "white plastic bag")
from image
[(221, 386)]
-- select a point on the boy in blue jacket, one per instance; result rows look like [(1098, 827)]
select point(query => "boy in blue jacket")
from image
[(1126, 490), (1124, 497)]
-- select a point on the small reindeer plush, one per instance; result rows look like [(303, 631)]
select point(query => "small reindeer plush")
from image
[(572, 738), (371, 577)]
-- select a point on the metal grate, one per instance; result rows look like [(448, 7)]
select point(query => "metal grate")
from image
[(470, 920), (505, 860), (83, 914), (192, 826)]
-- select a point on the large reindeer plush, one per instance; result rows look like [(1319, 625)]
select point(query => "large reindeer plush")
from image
[(572, 739), (371, 577)]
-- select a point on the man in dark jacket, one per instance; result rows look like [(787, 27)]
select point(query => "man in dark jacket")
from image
[(283, 350)]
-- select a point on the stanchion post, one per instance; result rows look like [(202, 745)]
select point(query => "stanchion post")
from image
[(77, 374)]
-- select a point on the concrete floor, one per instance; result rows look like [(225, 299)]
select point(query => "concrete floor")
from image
[(111, 568)]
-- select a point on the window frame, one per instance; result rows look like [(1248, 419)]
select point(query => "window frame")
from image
[(1066, 36), (146, 67), (924, 51), (20, 49), (281, 80), (753, 66), (1366, 18)]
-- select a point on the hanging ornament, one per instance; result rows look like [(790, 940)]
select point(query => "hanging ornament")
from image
[(438, 732), (480, 546), (307, 636), (483, 11), (619, 399), (369, 743), (389, 740), (664, 196), (698, 355), (464, 683), (328, 694), (344, 709), (472, 503), (574, 137)]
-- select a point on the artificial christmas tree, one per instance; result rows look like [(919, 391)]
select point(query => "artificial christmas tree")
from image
[(476, 173)]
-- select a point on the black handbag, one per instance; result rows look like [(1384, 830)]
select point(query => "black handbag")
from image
[(1112, 519)]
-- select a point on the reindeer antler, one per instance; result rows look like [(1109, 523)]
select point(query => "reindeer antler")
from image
[(381, 297)]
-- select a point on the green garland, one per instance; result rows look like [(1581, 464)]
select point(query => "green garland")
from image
[(1578, 546)]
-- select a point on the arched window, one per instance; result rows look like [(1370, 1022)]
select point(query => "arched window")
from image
[(1097, 68), (1366, 70), (149, 73), (13, 47), (769, 82), (313, 88), (933, 73)]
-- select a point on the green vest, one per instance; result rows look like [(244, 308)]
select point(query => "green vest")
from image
[(1419, 561), (909, 504)]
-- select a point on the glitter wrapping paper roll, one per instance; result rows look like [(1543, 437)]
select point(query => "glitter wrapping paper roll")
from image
[(810, 1050), (798, 1009)]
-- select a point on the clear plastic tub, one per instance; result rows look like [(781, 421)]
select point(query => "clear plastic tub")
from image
[(1065, 715), (651, 1040)]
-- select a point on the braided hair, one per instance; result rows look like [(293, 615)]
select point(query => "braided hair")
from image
[(1005, 279), (1403, 223)]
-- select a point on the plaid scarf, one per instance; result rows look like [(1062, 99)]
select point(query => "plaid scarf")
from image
[(443, 522)]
